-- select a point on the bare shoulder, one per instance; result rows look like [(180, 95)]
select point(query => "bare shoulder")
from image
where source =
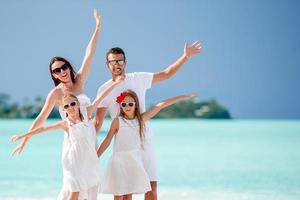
[(55, 93)]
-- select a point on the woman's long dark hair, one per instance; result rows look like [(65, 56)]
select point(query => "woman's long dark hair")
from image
[(137, 112), (72, 72)]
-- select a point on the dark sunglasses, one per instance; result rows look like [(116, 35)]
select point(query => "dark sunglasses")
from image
[(129, 104), (60, 69), (116, 62), (69, 105)]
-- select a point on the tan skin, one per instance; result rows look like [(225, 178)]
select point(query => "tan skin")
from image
[(171, 70), (130, 114), (66, 86), (73, 116)]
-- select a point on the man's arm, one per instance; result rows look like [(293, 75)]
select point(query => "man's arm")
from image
[(189, 51)]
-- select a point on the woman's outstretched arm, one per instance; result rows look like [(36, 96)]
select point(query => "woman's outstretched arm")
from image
[(41, 118), (83, 72)]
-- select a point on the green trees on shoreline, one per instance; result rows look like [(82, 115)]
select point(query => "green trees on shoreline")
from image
[(26, 109), (185, 109)]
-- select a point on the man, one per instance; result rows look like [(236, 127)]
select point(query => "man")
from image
[(139, 82)]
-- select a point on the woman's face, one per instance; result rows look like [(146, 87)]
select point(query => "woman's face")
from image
[(71, 106), (61, 71), (128, 105)]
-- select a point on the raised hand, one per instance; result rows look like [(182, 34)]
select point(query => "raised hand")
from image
[(97, 18), (120, 79), (192, 50)]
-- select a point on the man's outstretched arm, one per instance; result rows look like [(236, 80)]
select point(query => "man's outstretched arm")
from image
[(188, 52)]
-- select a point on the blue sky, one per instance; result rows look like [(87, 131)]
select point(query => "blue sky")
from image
[(250, 61)]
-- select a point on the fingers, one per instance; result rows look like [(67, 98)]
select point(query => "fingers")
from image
[(185, 45), (16, 150), (195, 48), (95, 13), (196, 45), (14, 138)]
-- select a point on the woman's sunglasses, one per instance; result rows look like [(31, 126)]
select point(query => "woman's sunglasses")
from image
[(69, 105), (58, 70), (129, 104)]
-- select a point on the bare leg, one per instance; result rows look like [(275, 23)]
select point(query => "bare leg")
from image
[(152, 195), (73, 196), (127, 197)]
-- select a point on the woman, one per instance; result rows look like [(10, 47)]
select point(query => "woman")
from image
[(66, 81)]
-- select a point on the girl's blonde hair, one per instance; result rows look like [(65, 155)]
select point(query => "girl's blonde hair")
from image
[(137, 112), (74, 97)]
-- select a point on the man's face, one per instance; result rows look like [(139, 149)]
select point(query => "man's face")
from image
[(116, 64)]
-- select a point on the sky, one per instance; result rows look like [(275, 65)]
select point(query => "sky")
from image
[(249, 63)]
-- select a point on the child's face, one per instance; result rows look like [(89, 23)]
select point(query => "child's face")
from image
[(70, 105), (128, 105)]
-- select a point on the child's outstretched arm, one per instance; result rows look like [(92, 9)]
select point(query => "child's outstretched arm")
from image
[(103, 94), (59, 125), (163, 104), (106, 142)]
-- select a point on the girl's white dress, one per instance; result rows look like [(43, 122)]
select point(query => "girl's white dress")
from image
[(125, 171), (79, 157)]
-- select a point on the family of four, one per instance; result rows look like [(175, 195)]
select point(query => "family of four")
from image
[(132, 166)]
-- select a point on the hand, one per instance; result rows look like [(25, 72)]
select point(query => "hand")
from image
[(16, 138), (190, 95), (192, 50), (97, 18), (18, 149), (120, 79)]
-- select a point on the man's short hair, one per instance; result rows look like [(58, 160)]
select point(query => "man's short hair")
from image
[(115, 50)]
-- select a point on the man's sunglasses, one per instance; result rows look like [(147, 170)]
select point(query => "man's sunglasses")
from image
[(58, 70), (69, 105), (129, 104), (116, 62)]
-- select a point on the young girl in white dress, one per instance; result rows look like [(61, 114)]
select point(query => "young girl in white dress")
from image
[(125, 173), (79, 159)]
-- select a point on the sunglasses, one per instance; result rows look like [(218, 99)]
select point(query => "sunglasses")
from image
[(58, 70), (129, 104), (116, 62), (69, 105)]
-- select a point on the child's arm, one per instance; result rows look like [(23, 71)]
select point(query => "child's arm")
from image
[(103, 94), (158, 107), (106, 142), (59, 125)]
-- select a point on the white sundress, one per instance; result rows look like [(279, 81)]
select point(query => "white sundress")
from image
[(125, 172), (80, 162)]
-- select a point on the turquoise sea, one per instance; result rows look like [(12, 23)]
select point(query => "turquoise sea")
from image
[(197, 159)]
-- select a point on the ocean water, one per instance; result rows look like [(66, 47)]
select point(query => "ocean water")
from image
[(197, 159)]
